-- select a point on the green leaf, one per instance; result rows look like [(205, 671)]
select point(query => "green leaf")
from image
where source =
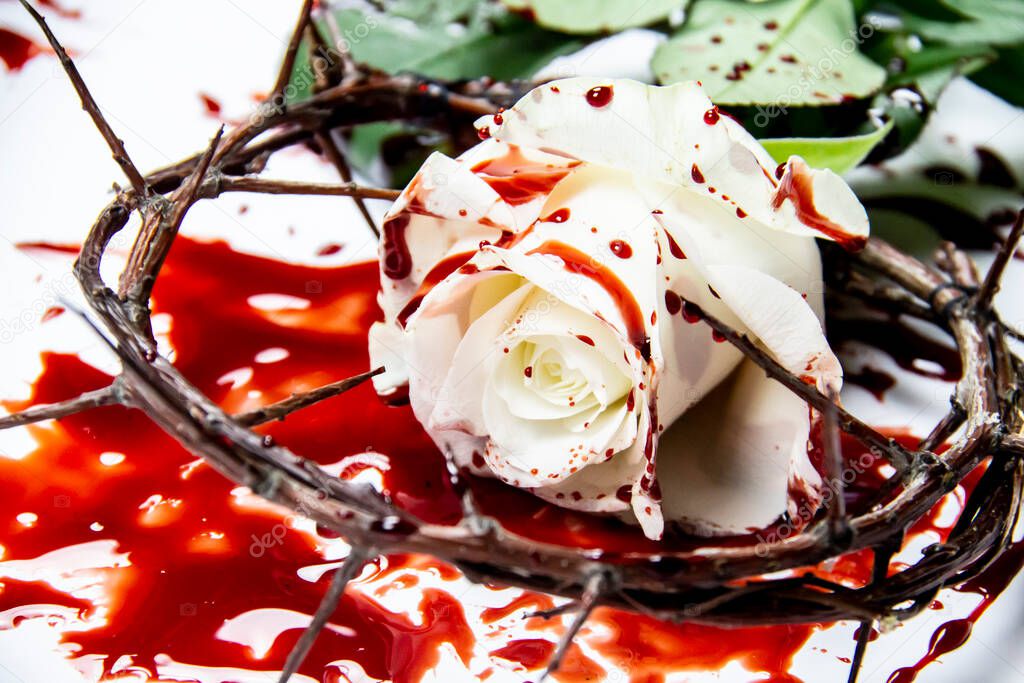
[(779, 52), (595, 16), (504, 48), (302, 80), (434, 11), (995, 22), (1004, 77), (400, 147), (366, 139), (929, 59), (929, 67), (837, 154)]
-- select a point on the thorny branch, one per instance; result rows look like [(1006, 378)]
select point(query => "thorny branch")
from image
[(107, 396), (285, 73), (712, 584), (895, 453), (89, 105), (334, 155), (153, 243), (340, 578), (281, 409), (990, 286), (267, 186)]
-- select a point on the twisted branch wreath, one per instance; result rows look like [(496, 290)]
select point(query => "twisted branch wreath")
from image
[(710, 584)]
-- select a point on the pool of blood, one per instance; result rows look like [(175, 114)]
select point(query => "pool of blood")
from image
[(197, 557)]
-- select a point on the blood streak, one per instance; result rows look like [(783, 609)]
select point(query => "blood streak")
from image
[(579, 262), (673, 246), (797, 186), (435, 276), (397, 262), (519, 179)]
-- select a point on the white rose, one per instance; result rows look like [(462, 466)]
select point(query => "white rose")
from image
[(533, 296)]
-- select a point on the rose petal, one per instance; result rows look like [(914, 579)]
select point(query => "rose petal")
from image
[(711, 234), (456, 400), (669, 134), (388, 348), (781, 320), (819, 203), (646, 506), (537, 453), (728, 465), (445, 210), (754, 271)]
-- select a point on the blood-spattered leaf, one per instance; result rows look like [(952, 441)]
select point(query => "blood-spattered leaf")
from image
[(837, 154), (595, 16), (779, 52)]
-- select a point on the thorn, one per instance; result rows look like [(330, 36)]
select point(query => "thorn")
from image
[(107, 396), (357, 557), (879, 570), (333, 153), (597, 584), (283, 408), (554, 611), (89, 105), (838, 524), (994, 276), (285, 74), (863, 636)]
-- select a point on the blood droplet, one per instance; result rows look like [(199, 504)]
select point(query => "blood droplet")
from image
[(620, 248), (600, 96), (559, 216)]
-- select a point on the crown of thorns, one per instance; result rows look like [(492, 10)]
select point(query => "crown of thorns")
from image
[(704, 585)]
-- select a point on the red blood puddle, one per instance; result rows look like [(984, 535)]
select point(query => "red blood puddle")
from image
[(198, 558)]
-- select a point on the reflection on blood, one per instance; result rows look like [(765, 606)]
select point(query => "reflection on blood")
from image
[(197, 556), (647, 648)]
